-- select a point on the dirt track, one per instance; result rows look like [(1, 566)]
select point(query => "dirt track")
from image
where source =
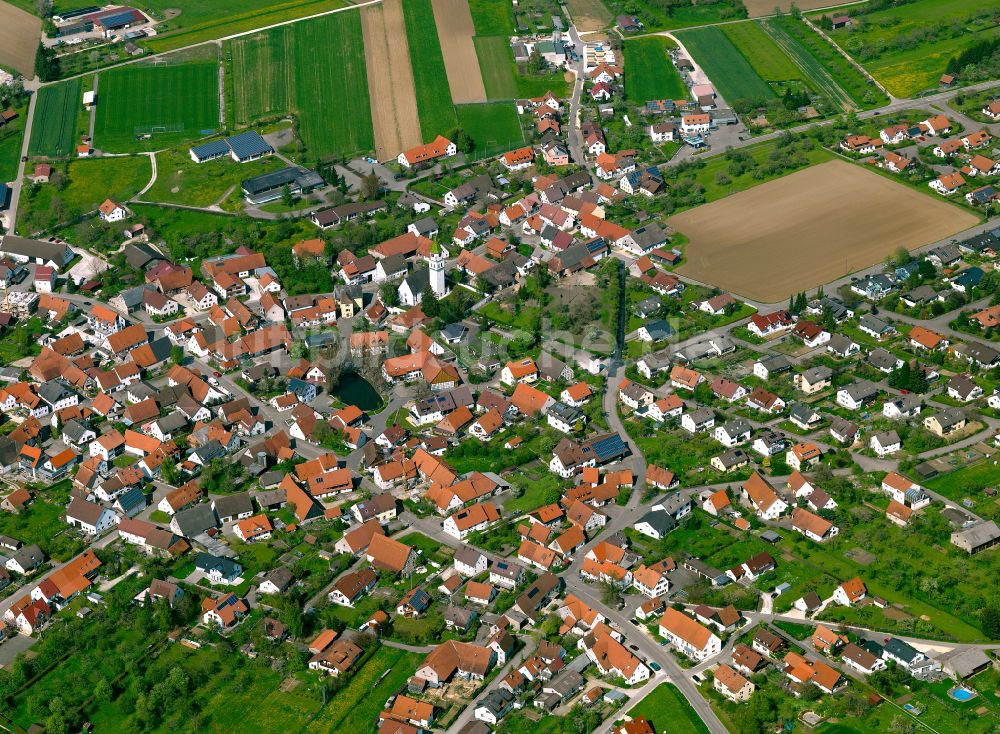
[(19, 34), (390, 79), (455, 31), (589, 15), (809, 228), (757, 8)]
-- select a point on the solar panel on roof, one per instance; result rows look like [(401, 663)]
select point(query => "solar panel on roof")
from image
[(211, 149), (248, 145)]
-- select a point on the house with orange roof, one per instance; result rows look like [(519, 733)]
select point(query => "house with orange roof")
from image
[(390, 555), (612, 658), (851, 592), (111, 211), (812, 526), (684, 378), (688, 636), (716, 502), (530, 401), (732, 685), (923, 338), (225, 612), (427, 153), (761, 496), (473, 519), (523, 371), (947, 183), (517, 160), (253, 529)]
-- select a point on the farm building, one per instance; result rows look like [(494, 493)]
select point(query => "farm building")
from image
[(270, 186)]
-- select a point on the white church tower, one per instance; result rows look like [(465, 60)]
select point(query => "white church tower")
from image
[(436, 265)]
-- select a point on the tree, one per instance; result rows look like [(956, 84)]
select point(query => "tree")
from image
[(371, 186), (176, 354), (390, 295), (989, 619), (429, 302), (46, 64), (610, 593), (286, 196), (536, 64), (103, 691)]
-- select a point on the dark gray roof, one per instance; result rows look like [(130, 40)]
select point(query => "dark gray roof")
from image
[(196, 520), (211, 149), (232, 505), (248, 144), (661, 521)]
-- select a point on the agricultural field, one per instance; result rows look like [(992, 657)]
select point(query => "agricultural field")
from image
[(430, 80), (732, 75), (356, 706), (818, 76), (456, 31), (589, 15), (496, 64), (198, 21), (169, 102), (291, 70), (735, 241), (649, 72), (19, 34), (179, 180), (759, 8), (89, 182), (907, 48), (491, 18), (493, 127), (395, 120), (53, 133), (804, 43)]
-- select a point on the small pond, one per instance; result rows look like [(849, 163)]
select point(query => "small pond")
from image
[(356, 390)]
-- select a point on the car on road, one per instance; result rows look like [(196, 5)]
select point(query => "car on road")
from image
[(213, 382), (633, 647), (217, 374), (655, 667), (663, 643)]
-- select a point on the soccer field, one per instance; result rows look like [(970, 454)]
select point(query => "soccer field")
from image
[(54, 126), (169, 102), (315, 70)]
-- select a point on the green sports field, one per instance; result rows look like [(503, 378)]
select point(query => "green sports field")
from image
[(493, 126), (732, 75), (437, 113), (315, 70), (54, 129), (170, 102), (649, 72)]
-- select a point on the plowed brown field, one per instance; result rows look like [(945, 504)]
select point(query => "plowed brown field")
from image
[(809, 228), (455, 31), (19, 34), (390, 79)]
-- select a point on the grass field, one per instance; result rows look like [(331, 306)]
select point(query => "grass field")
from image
[(53, 133), (298, 69), (734, 242), (179, 180), (174, 102), (91, 181), (356, 706), (861, 90), (493, 126), (437, 113), (492, 18), (769, 61), (732, 75), (667, 710), (199, 21), (11, 139), (649, 72), (884, 44)]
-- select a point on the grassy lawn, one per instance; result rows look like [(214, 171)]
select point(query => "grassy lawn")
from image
[(41, 522), (90, 182), (11, 138), (753, 43), (356, 706), (179, 180), (967, 481), (171, 102), (650, 74), (661, 16), (493, 126), (437, 113), (667, 710), (200, 22), (731, 74), (537, 492), (908, 47), (53, 132), (861, 90), (286, 70), (432, 549)]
